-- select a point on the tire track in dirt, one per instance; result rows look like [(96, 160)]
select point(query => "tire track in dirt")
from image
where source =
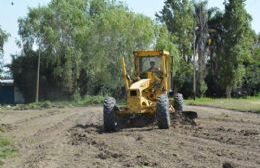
[(186, 140), (49, 131), (40, 115), (75, 138), (13, 118), (46, 139), (217, 151)]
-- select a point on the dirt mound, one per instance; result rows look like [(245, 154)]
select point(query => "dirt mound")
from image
[(90, 135), (249, 132), (83, 134), (227, 165), (139, 121), (86, 135), (185, 117)]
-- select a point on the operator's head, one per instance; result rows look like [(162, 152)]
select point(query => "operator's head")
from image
[(152, 63)]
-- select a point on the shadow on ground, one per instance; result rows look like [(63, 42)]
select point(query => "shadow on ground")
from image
[(143, 122)]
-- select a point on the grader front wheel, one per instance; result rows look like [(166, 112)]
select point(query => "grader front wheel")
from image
[(109, 115), (162, 112)]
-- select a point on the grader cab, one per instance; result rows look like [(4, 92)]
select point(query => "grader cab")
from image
[(147, 91)]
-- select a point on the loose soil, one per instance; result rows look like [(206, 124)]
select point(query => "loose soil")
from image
[(74, 137)]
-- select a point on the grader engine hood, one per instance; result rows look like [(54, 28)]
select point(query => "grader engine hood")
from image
[(136, 100), (141, 84)]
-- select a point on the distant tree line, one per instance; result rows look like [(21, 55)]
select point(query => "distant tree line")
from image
[(227, 57), (81, 41)]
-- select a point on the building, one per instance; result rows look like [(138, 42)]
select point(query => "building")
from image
[(9, 94)]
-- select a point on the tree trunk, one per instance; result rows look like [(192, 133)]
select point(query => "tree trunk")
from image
[(202, 53), (228, 91)]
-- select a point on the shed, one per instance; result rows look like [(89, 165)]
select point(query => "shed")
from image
[(9, 94)]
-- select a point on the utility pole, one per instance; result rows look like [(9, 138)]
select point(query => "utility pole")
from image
[(194, 63), (38, 76)]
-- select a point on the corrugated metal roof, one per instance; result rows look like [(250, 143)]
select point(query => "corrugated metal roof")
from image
[(6, 81)]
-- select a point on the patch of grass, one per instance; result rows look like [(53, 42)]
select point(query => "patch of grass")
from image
[(6, 149), (89, 100), (84, 101), (249, 104), (40, 105)]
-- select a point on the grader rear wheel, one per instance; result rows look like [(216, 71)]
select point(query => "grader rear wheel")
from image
[(178, 102), (109, 115), (162, 112)]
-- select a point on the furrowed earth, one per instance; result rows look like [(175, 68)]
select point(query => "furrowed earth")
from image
[(74, 137)]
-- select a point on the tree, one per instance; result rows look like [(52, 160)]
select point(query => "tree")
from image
[(164, 42), (251, 81), (238, 42), (216, 49), (81, 43), (59, 30), (202, 37), (177, 15), (3, 39), (116, 32)]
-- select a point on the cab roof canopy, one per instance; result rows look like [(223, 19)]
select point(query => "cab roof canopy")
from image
[(150, 53)]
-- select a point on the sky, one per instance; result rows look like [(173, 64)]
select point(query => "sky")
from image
[(9, 15)]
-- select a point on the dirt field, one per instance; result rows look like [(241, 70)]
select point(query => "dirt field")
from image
[(73, 137)]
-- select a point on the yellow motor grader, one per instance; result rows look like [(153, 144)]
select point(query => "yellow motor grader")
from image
[(147, 91)]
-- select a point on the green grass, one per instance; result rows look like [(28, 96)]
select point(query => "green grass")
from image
[(6, 149), (249, 104), (89, 100), (84, 101), (40, 105)]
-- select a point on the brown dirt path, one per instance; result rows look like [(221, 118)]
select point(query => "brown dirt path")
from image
[(73, 137)]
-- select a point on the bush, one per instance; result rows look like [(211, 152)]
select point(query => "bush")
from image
[(90, 100)]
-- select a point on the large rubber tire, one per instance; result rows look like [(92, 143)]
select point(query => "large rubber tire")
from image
[(178, 102), (109, 116), (162, 112)]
